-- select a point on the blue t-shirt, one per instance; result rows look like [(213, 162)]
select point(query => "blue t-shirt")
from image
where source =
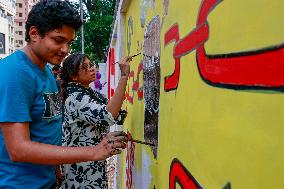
[(28, 94)]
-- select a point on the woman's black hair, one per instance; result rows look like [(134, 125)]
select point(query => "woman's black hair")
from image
[(56, 68), (48, 15), (70, 68)]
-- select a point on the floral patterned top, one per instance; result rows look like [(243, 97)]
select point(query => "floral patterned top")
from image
[(85, 120)]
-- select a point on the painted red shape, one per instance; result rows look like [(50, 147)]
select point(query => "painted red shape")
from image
[(139, 88), (111, 71), (127, 93), (112, 92), (127, 96), (140, 68), (192, 40), (131, 74), (136, 85), (140, 94), (261, 68), (179, 174), (171, 82)]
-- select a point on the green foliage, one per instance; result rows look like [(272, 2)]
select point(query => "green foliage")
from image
[(98, 18)]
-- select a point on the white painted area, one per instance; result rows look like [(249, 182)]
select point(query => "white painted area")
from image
[(146, 170), (103, 72), (142, 180)]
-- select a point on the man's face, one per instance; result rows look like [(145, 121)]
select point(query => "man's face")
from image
[(54, 45)]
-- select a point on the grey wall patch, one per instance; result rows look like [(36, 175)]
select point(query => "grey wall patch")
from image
[(151, 81)]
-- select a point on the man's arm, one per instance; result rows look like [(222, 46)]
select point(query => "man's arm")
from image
[(22, 149)]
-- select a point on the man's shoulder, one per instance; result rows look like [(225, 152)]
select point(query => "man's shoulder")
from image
[(13, 62), (14, 67), (14, 56)]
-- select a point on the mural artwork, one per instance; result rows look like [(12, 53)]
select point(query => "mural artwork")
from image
[(179, 96)]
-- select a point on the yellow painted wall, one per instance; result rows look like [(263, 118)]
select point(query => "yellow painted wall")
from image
[(220, 135)]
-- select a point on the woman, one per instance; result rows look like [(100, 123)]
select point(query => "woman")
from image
[(87, 116)]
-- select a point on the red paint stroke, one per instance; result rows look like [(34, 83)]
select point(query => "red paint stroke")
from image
[(140, 67), (171, 82), (129, 162), (136, 85), (179, 174), (140, 93), (110, 71), (139, 88), (262, 68), (127, 93), (127, 96), (191, 41), (112, 92), (254, 69), (131, 74)]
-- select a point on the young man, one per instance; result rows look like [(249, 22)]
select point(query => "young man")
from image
[(30, 108)]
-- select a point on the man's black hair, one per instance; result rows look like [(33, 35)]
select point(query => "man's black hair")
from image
[(48, 15)]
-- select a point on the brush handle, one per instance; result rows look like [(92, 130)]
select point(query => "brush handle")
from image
[(130, 56), (141, 142)]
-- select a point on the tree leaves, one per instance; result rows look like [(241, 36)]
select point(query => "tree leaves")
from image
[(98, 16)]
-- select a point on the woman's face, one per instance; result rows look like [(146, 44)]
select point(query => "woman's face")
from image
[(86, 73)]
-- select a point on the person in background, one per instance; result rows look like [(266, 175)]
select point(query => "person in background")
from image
[(87, 116), (56, 69), (30, 107)]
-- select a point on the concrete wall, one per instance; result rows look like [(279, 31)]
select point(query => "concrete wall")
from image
[(207, 91)]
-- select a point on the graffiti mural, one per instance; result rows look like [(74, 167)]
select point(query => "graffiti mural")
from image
[(179, 94)]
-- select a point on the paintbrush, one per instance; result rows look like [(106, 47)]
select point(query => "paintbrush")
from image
[(135, 55), (141, 142), (130, 57), (129, 138)]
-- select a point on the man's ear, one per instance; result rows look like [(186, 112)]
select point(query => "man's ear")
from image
[(34, 34)]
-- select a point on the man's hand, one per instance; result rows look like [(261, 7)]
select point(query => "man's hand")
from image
[(112, 144)]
